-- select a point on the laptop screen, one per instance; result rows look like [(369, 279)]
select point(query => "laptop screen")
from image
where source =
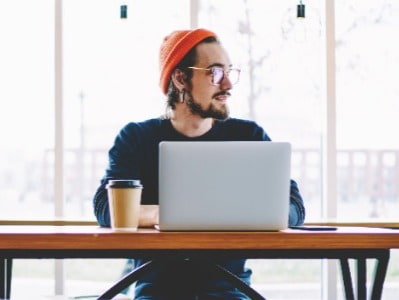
[(229, 186)]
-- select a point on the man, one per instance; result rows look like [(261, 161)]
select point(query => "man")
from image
[(197, 77)]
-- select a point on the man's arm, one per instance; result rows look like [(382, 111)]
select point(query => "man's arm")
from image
[(124, 161), (101, 206), (297, 208)]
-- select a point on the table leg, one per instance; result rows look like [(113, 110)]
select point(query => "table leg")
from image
[(238, 283), (127, 280), (206, 267), (211, 267), (361, 279), (379, 275), (347, 279), (5, 278)]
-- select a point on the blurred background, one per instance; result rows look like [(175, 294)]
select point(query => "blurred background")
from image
[(74, 72)]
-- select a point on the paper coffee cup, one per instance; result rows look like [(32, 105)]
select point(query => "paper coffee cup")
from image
[(124, 198)]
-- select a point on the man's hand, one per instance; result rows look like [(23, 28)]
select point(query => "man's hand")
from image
[(149, 215)]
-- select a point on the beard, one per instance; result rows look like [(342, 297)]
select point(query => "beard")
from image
[(212, 111)]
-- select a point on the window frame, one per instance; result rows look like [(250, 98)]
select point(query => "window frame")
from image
[(329, 147)]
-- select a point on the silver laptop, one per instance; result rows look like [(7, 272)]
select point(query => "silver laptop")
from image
[(224, 186)]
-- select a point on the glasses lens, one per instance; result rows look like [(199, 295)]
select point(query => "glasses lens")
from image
[(234, 75), (217, 74)]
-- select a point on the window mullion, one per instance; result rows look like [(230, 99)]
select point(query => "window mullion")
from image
[(330, 145), (194, 5), (59, 136)]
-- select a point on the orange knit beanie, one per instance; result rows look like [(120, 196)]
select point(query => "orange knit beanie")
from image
[(174, 47)]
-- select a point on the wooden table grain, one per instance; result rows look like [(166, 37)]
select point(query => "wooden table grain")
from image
[(91, 241), (93, 237)]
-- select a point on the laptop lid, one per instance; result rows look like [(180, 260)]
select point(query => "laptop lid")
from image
[(224, 186)]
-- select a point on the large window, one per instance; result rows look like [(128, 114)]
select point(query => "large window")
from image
[(108, 68), (27, 117), (281, 83), (27, 108), (367, 106), (111, 78), (281, 88)]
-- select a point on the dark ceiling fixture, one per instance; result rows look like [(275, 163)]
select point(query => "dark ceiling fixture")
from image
[(123, 11), (300, 10)]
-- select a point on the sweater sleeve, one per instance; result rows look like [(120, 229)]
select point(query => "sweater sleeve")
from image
[(101, 207), (297, 208), (123, 164)]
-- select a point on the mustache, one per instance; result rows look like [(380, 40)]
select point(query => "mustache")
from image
[(222, 93)]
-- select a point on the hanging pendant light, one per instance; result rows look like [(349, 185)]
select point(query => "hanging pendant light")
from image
[(300, 10), (300, 26), (123, 11)]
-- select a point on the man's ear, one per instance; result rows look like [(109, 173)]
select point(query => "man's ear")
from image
[(179, 79)]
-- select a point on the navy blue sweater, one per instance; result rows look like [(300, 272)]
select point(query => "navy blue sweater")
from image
[(135, 155)]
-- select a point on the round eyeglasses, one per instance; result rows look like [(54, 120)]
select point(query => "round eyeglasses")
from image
[(218, 74)]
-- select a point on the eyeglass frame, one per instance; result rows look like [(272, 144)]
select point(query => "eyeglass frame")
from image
[(225, 73)]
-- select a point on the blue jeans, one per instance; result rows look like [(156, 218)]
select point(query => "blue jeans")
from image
[(226, 295), (185, 280)]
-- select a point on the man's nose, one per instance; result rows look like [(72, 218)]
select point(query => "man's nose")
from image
[(226, 84)]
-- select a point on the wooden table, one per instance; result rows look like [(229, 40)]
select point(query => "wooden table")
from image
[(359, 243)]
